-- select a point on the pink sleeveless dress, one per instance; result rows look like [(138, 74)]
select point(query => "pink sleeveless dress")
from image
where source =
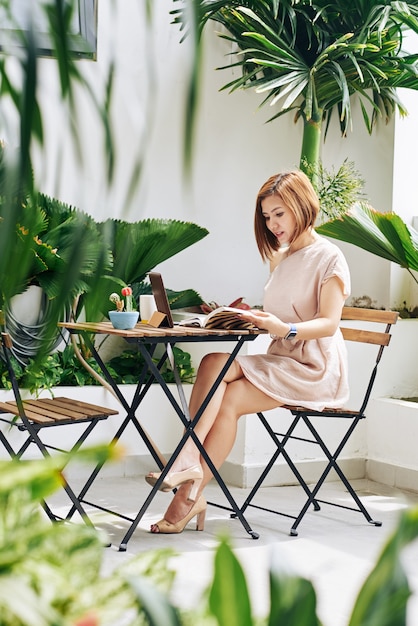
[(311, 373)]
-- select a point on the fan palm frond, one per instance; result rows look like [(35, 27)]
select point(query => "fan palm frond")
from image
[(137, 248), (383, 234)]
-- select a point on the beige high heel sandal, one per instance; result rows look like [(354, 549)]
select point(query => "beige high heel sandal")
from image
[(175, 479), (167, 528)]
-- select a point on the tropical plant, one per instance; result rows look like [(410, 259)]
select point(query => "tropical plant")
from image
[(337, 189), (382, 599), (137, 248), (64, 368), (108, 256), (310, 57), (51, 574), (383, 234), (42, 246), (61, 226)]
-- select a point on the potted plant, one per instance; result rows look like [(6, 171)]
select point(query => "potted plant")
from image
[(125, 316), (110, 256)]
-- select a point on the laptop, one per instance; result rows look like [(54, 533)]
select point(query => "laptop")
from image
[(163, 306), (160, 297)]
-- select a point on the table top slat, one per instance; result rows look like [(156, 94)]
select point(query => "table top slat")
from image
[(145, 330)]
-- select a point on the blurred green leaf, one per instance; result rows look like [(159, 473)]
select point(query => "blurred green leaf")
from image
[(382, 600), (293, 599), (155, 605), (51, 574), (229, 600), (42, 478)]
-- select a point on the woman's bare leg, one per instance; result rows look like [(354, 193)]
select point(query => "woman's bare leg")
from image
[(208, 371), (239, 397)]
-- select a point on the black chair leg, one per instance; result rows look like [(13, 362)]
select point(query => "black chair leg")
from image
[(332, 464), (280, 450)]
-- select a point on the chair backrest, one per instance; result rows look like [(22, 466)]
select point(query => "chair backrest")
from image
[(369, 334)]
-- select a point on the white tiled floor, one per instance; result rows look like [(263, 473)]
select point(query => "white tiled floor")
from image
[(335, 548)]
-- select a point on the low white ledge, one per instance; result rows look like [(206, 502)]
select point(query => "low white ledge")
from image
[(392, 436)]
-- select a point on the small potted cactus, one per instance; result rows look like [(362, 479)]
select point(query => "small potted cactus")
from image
[(125, 316)]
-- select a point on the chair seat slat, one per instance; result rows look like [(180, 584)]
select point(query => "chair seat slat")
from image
[(324, 412), (56, 410), (9, 407)]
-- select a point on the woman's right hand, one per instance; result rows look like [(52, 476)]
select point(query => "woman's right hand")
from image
[(266, 321)]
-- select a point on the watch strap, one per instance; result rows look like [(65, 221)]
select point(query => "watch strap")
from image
[(292, 332)]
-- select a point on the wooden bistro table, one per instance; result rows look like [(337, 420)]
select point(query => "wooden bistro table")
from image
[(147, 338)]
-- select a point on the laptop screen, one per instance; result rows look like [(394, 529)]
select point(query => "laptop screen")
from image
[(160, 297)]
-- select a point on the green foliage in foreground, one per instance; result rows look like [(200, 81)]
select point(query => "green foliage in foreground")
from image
[(50, 575), (382, 601)]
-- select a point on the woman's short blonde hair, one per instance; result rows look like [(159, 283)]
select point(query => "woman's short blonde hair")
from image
[(296, 192)]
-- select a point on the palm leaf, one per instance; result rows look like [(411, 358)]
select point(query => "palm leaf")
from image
[(139, 247), (229, 600), (83, 253), (293, 599), (382, 234), (183, 299), (154, 603)]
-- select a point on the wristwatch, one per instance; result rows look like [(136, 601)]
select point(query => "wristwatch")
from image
[(292, 332)]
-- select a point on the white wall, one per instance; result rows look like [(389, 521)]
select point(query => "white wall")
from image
[(405, 201), (392, 425)]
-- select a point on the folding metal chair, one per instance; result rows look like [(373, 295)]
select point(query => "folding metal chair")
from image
[(301, 415), (35, 416)]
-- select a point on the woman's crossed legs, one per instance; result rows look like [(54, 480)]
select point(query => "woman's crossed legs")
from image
[(216, 428)]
